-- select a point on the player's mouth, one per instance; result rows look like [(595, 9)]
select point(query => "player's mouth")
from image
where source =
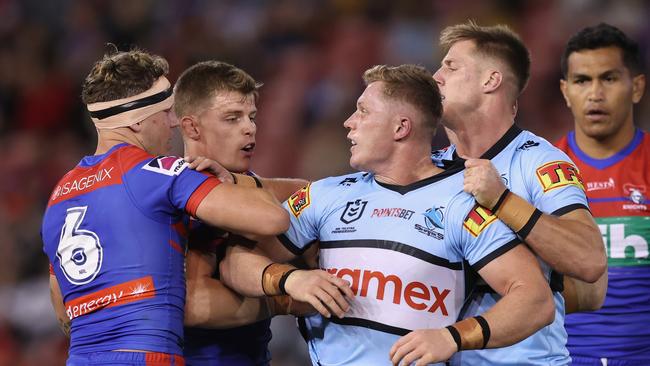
[(353, 143), (249, 148), (596, 114)]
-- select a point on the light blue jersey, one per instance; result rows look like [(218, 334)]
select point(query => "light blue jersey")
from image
[(544, 176), (405, 250)]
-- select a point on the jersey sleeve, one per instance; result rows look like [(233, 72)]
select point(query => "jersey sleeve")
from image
[(304, 218), (476, 233), (163, 186), (553, 181)]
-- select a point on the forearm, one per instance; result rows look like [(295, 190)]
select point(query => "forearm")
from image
[(210, 304), (570, 244), (582, 296), (59, 306), (242, 269), (283, 188), (570, 247), (519, 314)]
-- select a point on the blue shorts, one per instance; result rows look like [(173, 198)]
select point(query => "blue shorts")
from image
[(590, 361), (126, 359)]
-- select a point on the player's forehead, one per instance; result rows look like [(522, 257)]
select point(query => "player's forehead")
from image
[(595, 61), (374, 93), (228, 100)]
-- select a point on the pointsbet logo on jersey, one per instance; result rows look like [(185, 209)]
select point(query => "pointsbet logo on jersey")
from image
[(478, 219), (299, 200), (558, 174)]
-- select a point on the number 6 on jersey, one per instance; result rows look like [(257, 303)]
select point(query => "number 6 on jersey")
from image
[(79, 251)]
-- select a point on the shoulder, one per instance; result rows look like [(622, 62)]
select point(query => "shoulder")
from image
[(537, 151)]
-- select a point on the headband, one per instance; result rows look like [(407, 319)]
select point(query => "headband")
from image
[(131, 110)]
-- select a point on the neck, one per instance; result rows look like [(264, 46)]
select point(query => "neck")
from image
[(408, 170), (603, 148), (475, 136), (106, 139)]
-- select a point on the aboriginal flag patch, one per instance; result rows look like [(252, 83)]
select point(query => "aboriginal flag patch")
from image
[(558, 174), (478, 219), (299, 200)]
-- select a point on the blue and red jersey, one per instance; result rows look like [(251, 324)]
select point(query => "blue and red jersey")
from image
[(617, 190), (241, 346), (115, 232)]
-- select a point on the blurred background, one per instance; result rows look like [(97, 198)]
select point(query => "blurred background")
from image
[(309, 54)]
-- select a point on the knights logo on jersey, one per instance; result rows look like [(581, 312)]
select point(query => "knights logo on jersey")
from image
[(353, 211), (299, 200), (558, 174), (478, 219), (167, 165)]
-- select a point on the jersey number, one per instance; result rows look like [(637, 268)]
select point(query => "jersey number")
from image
[(79, 251)]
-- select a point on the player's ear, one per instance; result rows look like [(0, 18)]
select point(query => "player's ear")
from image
[(638, 88), (136, 127), (402, 128), (190, 127), (563, 88), (492, 81)]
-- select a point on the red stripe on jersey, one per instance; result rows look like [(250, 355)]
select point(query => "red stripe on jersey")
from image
[(176, 246), (199, 194), (163, 359), (51, 270), (108, 172), (121, 294)]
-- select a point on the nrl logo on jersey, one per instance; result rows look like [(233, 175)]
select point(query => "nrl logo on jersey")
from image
[(353, 211), (167, 165)]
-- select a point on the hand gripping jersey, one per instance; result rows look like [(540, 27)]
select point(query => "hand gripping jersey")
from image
[(544, 176), (241, 346), (617, 189), (115, 232), (404, 250)]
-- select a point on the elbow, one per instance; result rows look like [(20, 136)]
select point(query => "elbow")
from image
[(193, 317), (595, 268), (276, 223), (547, 309)]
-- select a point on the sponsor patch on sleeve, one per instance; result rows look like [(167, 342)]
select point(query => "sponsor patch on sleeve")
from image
[(478, 219), (558, 174), (167, 165), (299, 200)]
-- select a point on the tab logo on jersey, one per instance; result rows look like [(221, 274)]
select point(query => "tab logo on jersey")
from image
[(168, 165), (123, 293), (478, 219), (627, 240), (353, 211), (558, 174), (299, 200)]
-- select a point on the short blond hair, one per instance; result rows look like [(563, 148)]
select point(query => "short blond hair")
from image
[(498, 41)]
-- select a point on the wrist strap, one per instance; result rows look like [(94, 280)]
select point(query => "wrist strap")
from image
[(472, 333), (272, 275), (515, 212), (500, 201)]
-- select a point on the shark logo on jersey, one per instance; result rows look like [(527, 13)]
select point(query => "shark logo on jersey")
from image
[(433, 218), (353, 211), (167, 165)]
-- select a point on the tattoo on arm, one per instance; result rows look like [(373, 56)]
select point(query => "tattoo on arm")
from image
[(65, 326)]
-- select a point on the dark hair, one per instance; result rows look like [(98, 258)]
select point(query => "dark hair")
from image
[(199, 83), (411, 84), (601, 36), (497, 41), (122, 74)]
